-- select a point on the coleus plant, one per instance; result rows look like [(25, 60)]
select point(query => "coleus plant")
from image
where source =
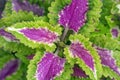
[(70, 43)]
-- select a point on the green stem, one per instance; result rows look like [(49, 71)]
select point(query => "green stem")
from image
[(57, 51), (62, 39), (64, 33)]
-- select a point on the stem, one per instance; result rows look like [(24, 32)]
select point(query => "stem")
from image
[(62, 39), (64, 33), (57, 51)]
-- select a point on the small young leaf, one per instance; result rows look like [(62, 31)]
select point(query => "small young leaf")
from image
[(74, 15), (49, 67), (115, 32)]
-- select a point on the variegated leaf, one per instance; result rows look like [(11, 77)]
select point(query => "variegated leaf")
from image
[(78, 50), (9, 69), (83, 54), (73, 16), (107, 59), (36, 34), (49, 67)]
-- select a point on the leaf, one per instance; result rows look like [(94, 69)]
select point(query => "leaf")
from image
[(9, 69), (26, 6), (49, 67), (93, 15), (5, 58), (33, 65), (108, 60), (93, 70), (18, 75), (36, 34), (78, 50), (73, 16)]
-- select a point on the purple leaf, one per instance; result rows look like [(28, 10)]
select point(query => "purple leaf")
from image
[(78, 72), (78, 50), (9, 69), (7, 35), (115, 32), (26, 6), (39, 35), (49, 67), (74, 15), (107, 59)]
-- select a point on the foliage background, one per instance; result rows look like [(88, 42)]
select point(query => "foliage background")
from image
[(102, 17)]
